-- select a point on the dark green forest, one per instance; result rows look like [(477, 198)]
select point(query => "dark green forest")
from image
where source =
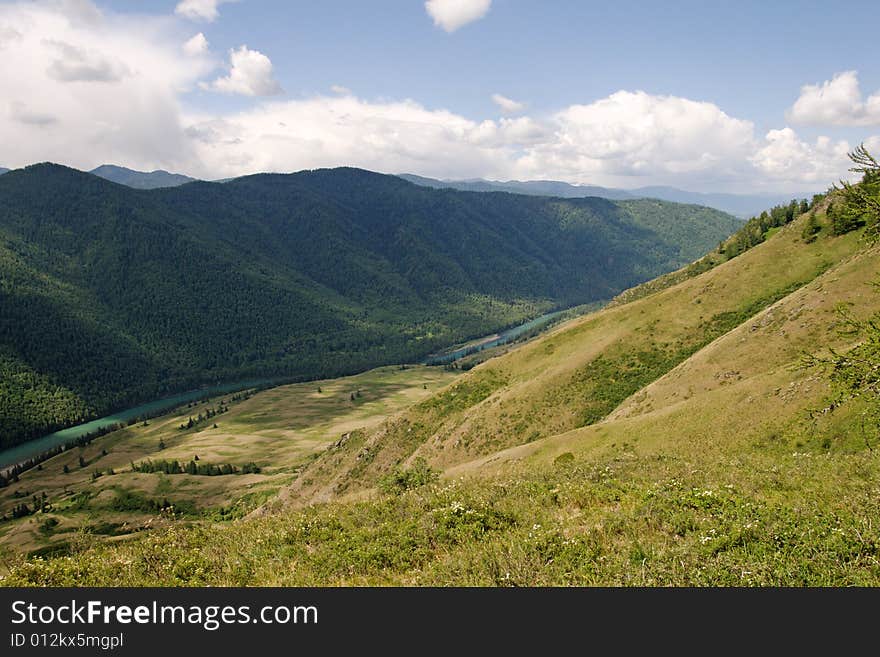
[(110, 296)]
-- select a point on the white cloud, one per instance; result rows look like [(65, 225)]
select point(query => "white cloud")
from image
[(76, 64), (198, 45), (339, 89), (78, 12), (19, 112), (785, 157), (627, 139), (519, 132), (250, 74), (837, 101), (453, 14), (8, 35), (630, 134), (328, 131), (83, 88), (507, 105), (199, 10)]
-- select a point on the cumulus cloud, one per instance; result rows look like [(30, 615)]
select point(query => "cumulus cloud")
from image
[(327, 131), (627, 139), (453, 14), (199, 10), (339, 89), (838, 102), (76, 64), (86, 88), (617, 140), (785, 157), (507, 105), (198, 45), (250, 74), (518, 132), (632, 134)]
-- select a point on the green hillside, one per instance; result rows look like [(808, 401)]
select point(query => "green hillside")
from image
[(718, 429), (110, 295)]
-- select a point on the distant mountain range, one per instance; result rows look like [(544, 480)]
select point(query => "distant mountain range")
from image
[(141, 179), (530, 187), (740, 205)]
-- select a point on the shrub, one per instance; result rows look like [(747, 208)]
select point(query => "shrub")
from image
[(566, 458), (401, 480)]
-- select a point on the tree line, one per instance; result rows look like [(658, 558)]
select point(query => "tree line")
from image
[(194, 467), (757, 229)]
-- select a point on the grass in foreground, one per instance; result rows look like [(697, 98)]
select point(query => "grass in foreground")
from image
[(627, 518)]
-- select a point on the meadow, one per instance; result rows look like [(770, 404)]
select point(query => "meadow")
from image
[(278, 430)]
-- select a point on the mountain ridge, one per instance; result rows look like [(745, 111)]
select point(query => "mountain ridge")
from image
[(740, 205), (531, 187)]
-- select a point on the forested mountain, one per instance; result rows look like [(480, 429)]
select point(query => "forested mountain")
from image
[(140, 179), (740, 205), (110, 295)]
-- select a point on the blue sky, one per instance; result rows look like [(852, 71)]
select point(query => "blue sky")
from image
[(701, 95), (748, 57)]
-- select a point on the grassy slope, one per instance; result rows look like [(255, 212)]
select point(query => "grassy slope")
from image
[(710, 474), (579, 373)]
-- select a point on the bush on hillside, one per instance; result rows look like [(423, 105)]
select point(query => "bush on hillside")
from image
[(401, 480)]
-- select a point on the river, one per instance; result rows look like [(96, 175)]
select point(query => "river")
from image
[(504, 337), (31, 448)]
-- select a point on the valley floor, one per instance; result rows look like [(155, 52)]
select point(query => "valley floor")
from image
[(278, 430)]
